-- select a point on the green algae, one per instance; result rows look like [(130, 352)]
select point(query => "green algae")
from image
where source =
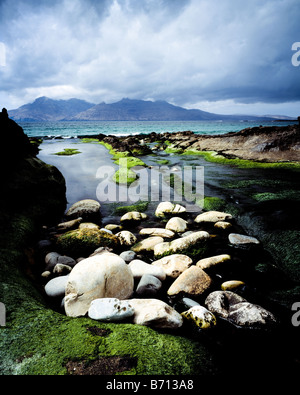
[(213, 156), (68, 152), (125, 161), (255, 182), (130, 162), (55, 340), (89, 140), (173, 150), (124, 176), (281, 195), (163, 162), (116, 154), (212, 203), (140, 207), (195, 251)]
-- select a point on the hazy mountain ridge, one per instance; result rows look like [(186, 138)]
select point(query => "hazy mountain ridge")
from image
[(46, 109)]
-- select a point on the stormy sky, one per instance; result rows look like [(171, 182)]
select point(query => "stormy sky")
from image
[(222, 56)]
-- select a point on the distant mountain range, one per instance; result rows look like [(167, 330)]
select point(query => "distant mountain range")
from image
[(45, 109)]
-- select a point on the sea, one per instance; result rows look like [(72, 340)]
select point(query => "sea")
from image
[(64, 129)]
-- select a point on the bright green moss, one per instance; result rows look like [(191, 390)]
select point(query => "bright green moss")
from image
[(68, 152), (163, 162), (89, 140), (172, 150), (213, 156), (211, 203), (44, 346), (140, 207), (281, 195), (124, 176), (250, 183), (114, 153), (129, 162)]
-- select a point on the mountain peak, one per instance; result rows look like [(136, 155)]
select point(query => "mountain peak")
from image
[(42, 99), (46, 109)]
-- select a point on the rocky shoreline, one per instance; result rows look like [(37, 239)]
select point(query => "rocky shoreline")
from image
[(263, 144), (158, 277)]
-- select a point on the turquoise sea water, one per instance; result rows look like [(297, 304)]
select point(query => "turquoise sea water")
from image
[(74, 129)]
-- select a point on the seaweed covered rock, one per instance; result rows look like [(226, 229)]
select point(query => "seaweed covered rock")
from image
[(83, 242), (202, 317), (193, 245)]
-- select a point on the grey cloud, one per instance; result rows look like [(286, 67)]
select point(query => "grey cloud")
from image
[(176, 50)]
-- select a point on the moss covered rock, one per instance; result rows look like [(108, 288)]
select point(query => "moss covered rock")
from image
[(83, 242), (194, 245)]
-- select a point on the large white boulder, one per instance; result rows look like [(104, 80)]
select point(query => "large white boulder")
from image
[(104, 275)]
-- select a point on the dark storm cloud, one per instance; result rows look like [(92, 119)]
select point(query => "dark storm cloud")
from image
[(181, 51)]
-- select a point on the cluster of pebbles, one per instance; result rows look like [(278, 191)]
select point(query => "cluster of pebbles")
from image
[(161, 277)]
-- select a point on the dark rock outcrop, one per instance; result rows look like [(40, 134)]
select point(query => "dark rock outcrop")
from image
[(13, 139), (263, 143)]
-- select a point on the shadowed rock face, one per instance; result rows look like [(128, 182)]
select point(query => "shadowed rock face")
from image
[(13, 138)]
